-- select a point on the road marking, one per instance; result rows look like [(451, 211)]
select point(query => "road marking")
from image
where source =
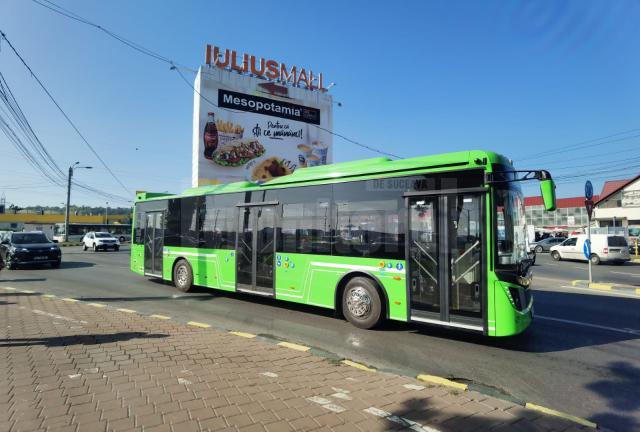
[(70, 300), (414, 426), (413, 387), (326, 403), (162, 317), (243, 334), (358, 366), (339, 390), (49, 296), (335, 408), (579, 420), (130, 311), (319, 400), (294, 346), (198, 324), (270, 374), (342, 396), (595, 292), (56, 316), (601, 327), (27, 292), (98, 305), (442, 381), (9, 288), (74, 376), (183, 381)]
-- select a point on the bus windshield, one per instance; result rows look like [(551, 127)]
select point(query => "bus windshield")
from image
[(511, 230)]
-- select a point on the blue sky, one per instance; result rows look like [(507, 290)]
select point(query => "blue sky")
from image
[(422, 77)]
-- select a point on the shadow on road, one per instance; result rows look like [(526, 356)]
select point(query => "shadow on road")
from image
[(24, 280), (18, 294), (204, 297), (621, 375), (94, 339)]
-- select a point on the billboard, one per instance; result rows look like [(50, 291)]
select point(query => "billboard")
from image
[(247, 127)]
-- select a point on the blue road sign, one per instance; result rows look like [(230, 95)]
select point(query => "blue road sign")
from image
[(588, 190), (586, 249)]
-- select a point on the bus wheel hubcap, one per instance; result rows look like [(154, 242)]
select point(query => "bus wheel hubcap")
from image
[(359, 302), (182, 275)]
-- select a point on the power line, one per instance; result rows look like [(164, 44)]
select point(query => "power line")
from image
[(581, 145), (95, 153), (175, 65), (14, 121)]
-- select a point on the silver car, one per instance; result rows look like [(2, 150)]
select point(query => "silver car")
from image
[(546, 244)]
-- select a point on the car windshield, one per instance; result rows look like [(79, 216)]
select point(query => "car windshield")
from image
[(511, 230), (26, 238), (103, 235)]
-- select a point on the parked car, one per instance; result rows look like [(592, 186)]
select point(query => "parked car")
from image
[(31, 247), (545, 245), (100, 240), (604, 248)]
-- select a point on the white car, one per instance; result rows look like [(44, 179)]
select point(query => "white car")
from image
[(100, 240), (604, 248)]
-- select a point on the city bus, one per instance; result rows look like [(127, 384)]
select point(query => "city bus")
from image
[(435, 239), (77, 231)]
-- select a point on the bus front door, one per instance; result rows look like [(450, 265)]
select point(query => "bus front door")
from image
[(153, 244), (444, 259), (255, 249)]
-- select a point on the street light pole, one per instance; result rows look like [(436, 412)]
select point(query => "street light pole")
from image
[(66, 213), (106, 214)]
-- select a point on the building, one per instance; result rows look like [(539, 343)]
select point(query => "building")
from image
[(570, 214), (619, 205), (20, 221)]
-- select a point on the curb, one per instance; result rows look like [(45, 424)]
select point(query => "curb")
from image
[(635, 260), (455, 386), (625, 289)]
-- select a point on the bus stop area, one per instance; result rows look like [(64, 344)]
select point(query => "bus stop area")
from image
[(69, 365)]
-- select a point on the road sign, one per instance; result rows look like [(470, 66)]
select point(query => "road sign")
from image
[(588, 204), (586, 249), (588, 190)]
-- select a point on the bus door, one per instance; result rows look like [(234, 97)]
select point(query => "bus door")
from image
[(255, 248), (445, 260), (153, 243)]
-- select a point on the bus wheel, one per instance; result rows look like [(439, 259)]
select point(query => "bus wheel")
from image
[(555, 255), (595, 259), (361, 303), (183, 276)]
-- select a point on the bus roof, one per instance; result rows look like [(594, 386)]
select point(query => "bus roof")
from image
[(379, 167)]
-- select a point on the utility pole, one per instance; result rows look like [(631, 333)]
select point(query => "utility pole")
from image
[(106, 214), (66, 213)]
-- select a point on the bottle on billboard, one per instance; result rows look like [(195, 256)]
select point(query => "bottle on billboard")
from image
[(210, 136)]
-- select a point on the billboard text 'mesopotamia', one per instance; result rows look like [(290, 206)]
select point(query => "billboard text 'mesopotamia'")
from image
[(247, 128)]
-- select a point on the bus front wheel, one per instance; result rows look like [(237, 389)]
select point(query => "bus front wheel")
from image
[(183, 276), (361, 303)]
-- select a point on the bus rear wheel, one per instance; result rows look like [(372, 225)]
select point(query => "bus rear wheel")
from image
[(183, 276), (361, 303)]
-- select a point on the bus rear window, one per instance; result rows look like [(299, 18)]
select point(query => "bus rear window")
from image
[(617, 241)]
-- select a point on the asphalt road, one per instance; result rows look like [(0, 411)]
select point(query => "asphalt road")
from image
[(581, 355), (627, 274)]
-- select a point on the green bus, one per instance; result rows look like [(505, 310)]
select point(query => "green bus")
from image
[(436, 239)]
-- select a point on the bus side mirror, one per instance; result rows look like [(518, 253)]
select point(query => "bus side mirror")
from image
[(548, 192)]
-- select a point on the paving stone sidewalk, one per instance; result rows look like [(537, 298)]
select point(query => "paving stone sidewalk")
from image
[(73, 366)]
